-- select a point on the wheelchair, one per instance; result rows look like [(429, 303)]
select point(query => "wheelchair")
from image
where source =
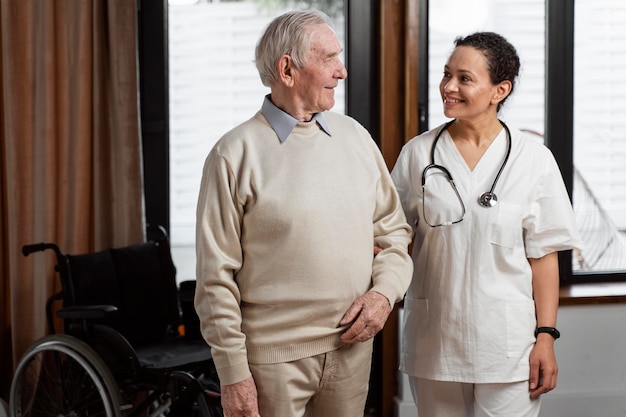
[(121, 352)]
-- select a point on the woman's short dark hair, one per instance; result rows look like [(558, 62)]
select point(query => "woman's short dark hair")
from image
[(502, 60)]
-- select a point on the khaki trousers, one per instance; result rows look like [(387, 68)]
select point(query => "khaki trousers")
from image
[(332, 384)]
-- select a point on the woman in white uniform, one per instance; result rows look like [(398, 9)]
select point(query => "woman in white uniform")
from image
[(489, 211)]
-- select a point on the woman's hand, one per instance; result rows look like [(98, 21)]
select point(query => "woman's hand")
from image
[(543, 367)]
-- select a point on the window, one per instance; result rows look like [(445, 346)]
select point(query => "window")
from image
[(588, 107), (522, 23), (599, 193), (584, 46), (213, 86), (577, 105)]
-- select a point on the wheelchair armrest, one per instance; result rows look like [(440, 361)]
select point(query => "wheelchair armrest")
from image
[(87, 312)]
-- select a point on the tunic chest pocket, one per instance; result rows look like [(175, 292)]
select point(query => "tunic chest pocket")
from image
[(507, 231)]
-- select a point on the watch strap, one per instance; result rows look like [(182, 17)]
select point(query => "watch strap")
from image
[(552, 331)]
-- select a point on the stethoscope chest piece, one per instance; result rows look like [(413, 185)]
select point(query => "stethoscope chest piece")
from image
[(488, 199)]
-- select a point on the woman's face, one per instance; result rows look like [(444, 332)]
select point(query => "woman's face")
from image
[(466, 88)]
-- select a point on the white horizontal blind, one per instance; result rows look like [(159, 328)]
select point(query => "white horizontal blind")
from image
[(213, 86), (600, 101), (600, 132)]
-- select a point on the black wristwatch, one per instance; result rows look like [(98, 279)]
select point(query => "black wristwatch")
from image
[(550, 330)]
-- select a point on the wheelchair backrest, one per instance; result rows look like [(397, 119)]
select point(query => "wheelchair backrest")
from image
[(140, 280)]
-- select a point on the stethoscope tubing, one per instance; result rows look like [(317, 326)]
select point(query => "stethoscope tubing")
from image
[(489, 198)]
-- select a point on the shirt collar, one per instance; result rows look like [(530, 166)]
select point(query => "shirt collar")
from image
[(283, 123)]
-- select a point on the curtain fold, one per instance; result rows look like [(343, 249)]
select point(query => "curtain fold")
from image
[(71, 170)]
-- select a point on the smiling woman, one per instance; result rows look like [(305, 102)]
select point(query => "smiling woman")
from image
[(482, 285)]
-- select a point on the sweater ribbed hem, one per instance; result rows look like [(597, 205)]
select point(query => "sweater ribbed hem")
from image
[(279, 354)]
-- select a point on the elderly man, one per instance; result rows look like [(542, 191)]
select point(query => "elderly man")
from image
[(291, 204)]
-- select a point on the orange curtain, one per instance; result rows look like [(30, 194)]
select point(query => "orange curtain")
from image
[(70, 150)]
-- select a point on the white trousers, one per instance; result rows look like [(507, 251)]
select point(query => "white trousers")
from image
[(456, 399)]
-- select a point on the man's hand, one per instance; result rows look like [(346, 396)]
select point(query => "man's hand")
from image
[(368, 315), (543, 366), (240, 399)]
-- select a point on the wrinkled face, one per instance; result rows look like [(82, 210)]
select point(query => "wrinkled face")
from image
[(314, 84), (466, 87)]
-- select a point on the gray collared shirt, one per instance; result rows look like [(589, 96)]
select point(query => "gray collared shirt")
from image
[(283, 123)]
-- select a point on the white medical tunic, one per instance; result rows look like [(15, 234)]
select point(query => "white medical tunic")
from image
[(469, 311)]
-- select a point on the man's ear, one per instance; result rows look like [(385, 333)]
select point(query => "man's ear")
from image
[(285, 70)]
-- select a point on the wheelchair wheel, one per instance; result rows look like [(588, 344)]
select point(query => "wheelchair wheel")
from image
[(190, 398), (62, 376)]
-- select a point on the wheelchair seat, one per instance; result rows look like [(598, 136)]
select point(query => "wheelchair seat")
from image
[(123, 305)]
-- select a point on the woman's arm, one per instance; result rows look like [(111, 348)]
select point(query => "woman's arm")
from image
[(543, 365)]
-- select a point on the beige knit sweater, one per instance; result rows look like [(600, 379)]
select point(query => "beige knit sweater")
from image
[(285, 235)]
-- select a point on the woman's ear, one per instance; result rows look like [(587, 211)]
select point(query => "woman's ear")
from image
[(502, 91), (285, 70)]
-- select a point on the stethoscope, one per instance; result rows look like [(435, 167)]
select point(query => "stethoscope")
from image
[(486, 199)]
